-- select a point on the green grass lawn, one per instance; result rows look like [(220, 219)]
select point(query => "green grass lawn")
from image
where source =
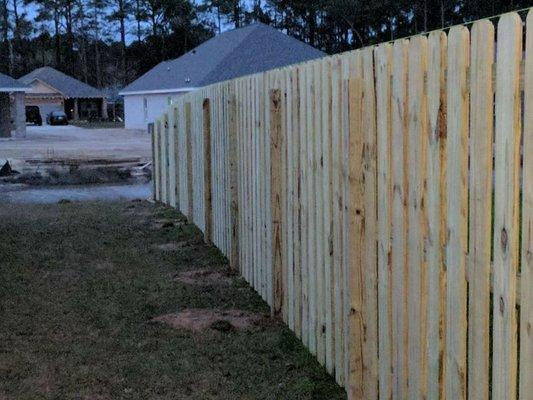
[(79, 283)]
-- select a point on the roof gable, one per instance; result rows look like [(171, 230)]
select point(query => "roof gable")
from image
[(39, 87), (61, 82), (254, 48)]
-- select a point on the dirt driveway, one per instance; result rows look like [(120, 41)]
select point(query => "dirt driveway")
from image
[(70, 142)]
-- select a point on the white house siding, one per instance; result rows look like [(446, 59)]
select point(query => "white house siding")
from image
[(135, 116)]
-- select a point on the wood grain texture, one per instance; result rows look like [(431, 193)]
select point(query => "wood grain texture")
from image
[(188, 136), (457, 212), (399, 218), (156, 160), (355, 387), (336, 143), (276, 156), (383, 70), (370, 348), (436, 213), (417, 217), (480, 207), (207, 156), (506, 206), (526, 310)]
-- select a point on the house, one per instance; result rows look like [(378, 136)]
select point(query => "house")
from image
[(52, 90), (12, 109), (244, 51)]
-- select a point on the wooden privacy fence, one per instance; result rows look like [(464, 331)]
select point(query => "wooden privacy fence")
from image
[(381, 202)]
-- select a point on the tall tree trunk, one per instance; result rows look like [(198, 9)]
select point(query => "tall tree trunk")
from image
[(57, 37), (237, 14), (15, 43), (96, 46), (70, 37), (5, 36), (122, 17)]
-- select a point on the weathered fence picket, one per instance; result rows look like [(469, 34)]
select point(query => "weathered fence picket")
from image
[(375, 200)]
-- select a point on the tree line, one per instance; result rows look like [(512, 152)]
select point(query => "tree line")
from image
[(109, 43)]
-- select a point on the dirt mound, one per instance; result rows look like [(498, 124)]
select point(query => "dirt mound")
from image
[(166, 223), (171, 246), (203, 277), (198, 320), (104, 266)]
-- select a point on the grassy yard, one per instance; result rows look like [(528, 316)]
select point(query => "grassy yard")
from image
[(79, 285)]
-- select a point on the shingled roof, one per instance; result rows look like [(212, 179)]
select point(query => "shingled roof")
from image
[(8, 84), (63, 83), (244, 51)]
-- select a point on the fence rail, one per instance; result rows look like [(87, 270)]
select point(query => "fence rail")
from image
[(381, 202)]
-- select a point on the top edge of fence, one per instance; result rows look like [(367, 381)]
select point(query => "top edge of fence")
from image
[(335, 57)]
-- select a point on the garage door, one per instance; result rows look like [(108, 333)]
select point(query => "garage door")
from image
[(46, 109)]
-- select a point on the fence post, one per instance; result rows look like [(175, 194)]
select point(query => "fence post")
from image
[(208, 195), (275, 198), (234, 187), (188, 136)]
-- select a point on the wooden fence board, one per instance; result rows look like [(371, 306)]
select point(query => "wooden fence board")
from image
[(355, 387), (304, 207), (417, 217), (318, 166), (155, 164), (399, 218), (480, 207), (526, 310), (506, 206), (383, 67), (296, 203), (208, 160), (436, 204), (327, 243), (370, 348), (276, 170), (457, 209), (188, 136), (175, 133), (337, 231)]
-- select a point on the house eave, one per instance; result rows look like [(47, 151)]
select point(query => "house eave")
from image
[(157, 91), (12, 89)]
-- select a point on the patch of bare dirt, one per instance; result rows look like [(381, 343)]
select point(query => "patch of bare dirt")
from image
[(104, 266), (164, 223), (67, 276), (198, 320), (203, 277), (47, 381), (170, 246)]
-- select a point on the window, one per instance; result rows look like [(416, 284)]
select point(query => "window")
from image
[(145, 108)]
